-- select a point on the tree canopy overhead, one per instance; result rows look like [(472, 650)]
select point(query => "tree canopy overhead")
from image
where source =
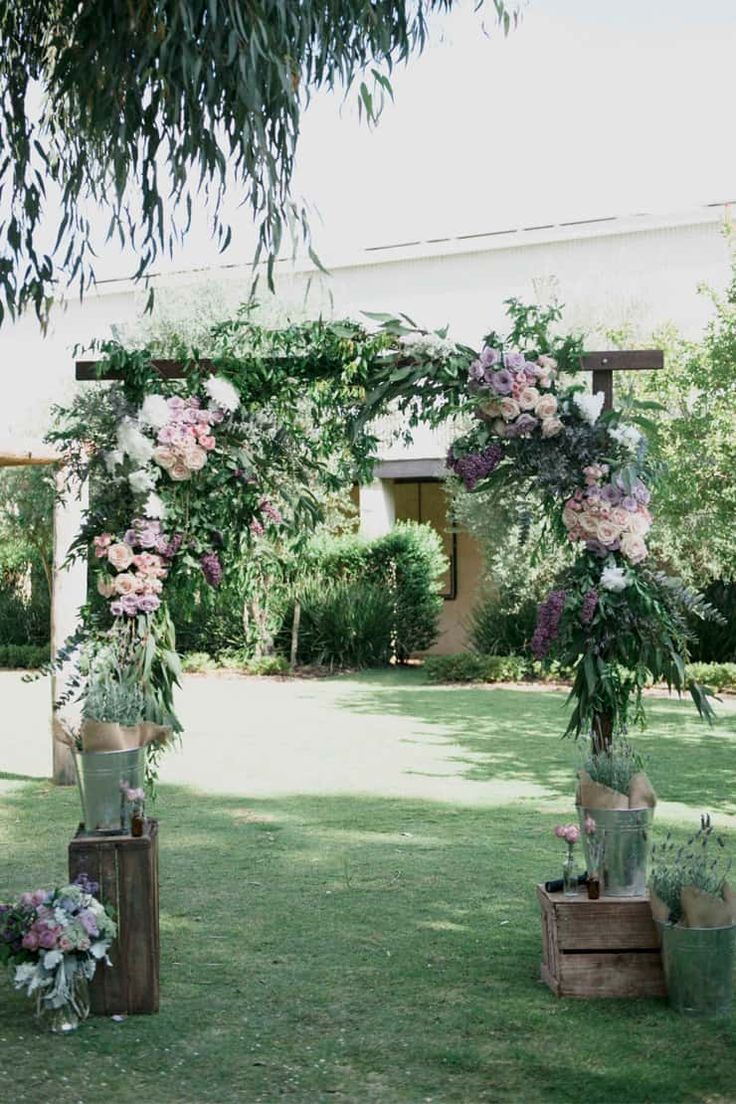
[(145, 108)]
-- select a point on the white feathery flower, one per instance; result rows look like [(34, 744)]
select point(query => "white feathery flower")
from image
[(589, 406), (142, 480), (113, 459), (627, 436), (133, 443), (52, 959), (154, 506), (222, 393), (614, 578), (154, 412), (427, 345)]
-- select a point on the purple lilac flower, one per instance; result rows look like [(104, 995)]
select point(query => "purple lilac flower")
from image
[(270, 511), (549, 616), (502, 381), (256, 528), (489, 356), (588, 608), (172, 546), (211, 568), (641, 493), (514, 360), (476, 465)]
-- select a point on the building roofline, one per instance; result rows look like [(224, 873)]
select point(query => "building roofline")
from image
[(428, 248)]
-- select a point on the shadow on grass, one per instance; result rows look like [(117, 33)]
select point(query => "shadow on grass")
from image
[(358, 949), (516, 734)]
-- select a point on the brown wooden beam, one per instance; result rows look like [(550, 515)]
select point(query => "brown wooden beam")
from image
[(167, 369)]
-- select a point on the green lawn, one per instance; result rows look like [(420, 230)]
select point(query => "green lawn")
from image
[(368, 949)]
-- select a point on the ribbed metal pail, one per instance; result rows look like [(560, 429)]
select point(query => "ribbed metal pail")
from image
[(626, 843), (100, 774), (698, 968)]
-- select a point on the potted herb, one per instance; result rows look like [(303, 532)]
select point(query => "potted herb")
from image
[(615, 794), (695, 911)]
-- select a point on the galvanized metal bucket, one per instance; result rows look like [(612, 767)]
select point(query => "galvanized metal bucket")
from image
[(100, 775), (626, 842), (698, 968)]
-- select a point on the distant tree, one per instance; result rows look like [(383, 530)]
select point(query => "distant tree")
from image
[(144, 109)]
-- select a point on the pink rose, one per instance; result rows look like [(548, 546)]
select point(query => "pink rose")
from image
[(26, 899), (551, 427), (638, 524), (607, 532), (633, 548), (120, 556), (207, 442), (65, 943), (164, 456), (620, 517), (572, 833), (165, 435), (590, 826), (30, 941), (560, 831), (510, 409), (47, 939)]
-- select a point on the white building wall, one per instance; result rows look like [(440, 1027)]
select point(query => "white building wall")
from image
[(640, 272)]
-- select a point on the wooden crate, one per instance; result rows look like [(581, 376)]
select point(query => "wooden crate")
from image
[(127, 871), (604, 948)]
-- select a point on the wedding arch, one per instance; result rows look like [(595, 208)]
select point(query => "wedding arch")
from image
[(188, 457)]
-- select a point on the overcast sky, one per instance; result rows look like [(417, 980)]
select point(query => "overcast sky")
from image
[(588, 108)]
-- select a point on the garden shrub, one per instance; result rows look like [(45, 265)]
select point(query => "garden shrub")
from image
[(469, 667), (503, 623), (716, 643), (716, 676), (406, 564), (25, 656), (343, 623)]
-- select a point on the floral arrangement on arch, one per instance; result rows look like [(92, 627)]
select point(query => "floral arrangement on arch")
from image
[(531, 431)]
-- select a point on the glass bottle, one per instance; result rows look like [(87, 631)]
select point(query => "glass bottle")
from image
[(569, 875)]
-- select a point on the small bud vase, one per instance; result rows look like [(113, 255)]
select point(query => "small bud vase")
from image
[(569, 876)]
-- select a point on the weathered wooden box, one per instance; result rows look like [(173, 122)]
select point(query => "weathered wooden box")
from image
[(604, 948), (127, 871)]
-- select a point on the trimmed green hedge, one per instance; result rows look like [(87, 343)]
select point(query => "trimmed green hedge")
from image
[(23, 655)]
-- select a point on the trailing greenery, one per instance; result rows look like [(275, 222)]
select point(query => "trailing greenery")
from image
[(147, 111), (28, 656), (676, 866)]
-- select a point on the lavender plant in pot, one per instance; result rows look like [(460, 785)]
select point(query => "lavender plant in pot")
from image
[(694, 908)]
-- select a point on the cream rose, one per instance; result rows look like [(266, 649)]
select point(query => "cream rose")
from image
[(588, 524), (547, 363), (633, 548), (510, 409), (179, 472), (620, 517), (551, 427), (528, 398), (639, 524), (164, 456), (120, 555), (195, 458), (546, 406), (607, 532), (125, 583)]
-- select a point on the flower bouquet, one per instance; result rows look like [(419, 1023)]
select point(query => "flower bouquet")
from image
[(54, 939)]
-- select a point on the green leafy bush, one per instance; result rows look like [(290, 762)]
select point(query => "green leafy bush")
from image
[(24, 656), (502, 623), (713, 642), (406, 564), (716, 676), (343, 623), (468, 667), (196, 663)]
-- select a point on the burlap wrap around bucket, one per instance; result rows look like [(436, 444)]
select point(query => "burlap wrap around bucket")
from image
[(113, 757), (699, 953), (623, 826)]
